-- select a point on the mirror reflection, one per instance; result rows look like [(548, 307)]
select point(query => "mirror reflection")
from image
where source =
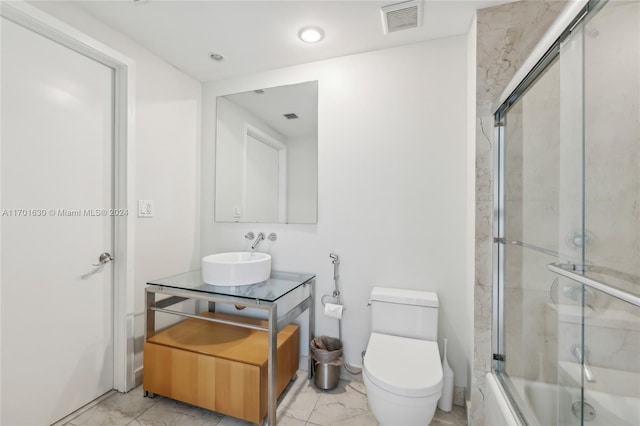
[(267, 155)]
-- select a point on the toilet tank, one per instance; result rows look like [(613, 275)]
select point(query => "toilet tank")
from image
[(405, 313)]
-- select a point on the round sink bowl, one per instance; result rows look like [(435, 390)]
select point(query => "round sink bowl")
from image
[(236, 268)]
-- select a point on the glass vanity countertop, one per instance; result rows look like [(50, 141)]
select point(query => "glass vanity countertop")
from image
[(279, 284)]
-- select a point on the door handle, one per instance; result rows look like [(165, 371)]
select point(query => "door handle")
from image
[(103, 259)]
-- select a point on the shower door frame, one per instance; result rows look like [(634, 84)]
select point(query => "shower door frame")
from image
[(499, 240)]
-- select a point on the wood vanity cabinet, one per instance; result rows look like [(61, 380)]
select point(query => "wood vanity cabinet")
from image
[(217, 366)]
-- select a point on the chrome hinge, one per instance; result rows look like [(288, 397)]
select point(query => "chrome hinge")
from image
[(499, 240), (498, 357)]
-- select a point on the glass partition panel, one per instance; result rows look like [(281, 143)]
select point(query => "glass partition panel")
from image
[(569, 304), (612, 141), (541, 207), (569, 271), (611, 370)]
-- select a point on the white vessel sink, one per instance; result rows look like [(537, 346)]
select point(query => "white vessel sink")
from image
[(236, 268)]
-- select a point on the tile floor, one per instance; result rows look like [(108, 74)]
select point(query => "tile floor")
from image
[(302, 404)]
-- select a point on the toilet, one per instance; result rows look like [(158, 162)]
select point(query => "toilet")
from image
[(402, 371)]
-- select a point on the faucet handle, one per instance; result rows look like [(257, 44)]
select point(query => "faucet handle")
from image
[(272, 236), (577, 350), (249, 236)]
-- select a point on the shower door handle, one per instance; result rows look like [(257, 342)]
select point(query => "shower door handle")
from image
[(568, 271)]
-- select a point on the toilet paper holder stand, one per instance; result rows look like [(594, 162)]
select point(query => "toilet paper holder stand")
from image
[(324, 302), (336, 296)]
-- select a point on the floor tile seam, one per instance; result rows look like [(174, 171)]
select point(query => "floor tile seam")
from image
[(312, 410), (157, 397), (310, 413)]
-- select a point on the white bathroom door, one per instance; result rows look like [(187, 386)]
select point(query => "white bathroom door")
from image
[(56, 191)]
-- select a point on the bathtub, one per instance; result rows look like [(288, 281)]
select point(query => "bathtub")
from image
[(546, 404), (497, 408)]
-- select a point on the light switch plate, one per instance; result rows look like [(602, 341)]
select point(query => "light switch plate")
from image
[(145, 208)]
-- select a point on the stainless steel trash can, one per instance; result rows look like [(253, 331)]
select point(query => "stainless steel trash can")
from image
[(327, 361), (326, 375)]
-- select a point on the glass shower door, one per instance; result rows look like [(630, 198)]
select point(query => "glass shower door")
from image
[(542, 215), (611, 377), (568, 300), (569, 228)]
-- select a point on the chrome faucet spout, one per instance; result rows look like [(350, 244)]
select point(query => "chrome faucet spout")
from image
[(576, 351), (259, 238)]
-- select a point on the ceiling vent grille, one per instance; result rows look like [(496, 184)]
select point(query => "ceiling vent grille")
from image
[(291, 116), (401, 16)]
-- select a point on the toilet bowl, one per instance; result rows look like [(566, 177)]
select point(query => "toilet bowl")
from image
[(403, 377), (402, 370)]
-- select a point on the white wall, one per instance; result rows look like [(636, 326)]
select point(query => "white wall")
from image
[(392, 180), (166, 164), (302, 179)]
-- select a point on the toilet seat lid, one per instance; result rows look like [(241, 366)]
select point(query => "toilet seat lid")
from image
[(403, 366)]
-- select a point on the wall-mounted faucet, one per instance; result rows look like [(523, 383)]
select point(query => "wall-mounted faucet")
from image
[(576, 351), (250, 236), (259, 238)]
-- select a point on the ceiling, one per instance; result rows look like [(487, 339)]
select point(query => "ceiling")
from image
[(256, 36)]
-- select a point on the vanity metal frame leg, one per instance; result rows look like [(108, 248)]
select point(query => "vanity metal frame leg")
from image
[(149, 315), (312, 327), (272, 394)]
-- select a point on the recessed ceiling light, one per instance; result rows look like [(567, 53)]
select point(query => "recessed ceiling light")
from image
[(216, 57), (311, 34)]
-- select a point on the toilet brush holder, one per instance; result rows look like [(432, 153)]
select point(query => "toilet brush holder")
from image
[(445, 403)]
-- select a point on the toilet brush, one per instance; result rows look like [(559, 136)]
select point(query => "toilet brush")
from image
[(445, 402)]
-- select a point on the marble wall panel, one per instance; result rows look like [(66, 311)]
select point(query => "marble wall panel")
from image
[(506, 36)]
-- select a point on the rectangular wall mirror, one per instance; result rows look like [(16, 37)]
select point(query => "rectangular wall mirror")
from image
[(267, 155)]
